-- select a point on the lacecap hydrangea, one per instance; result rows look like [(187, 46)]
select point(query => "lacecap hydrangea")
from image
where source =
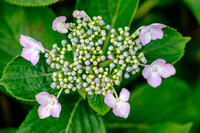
[(101, 56)]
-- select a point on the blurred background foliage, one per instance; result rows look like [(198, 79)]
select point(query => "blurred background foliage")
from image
[(174, 107)]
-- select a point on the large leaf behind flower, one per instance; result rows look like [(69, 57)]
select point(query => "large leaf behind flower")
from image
[(170, 47), (170, 102), (117, 13), (23, 81), (34, 22), (75, 117)]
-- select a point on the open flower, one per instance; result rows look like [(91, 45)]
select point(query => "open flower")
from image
[(151, 32), (156, 70), (59, 25), (120, 105), (49, 105), (79, 14), (31, 50)]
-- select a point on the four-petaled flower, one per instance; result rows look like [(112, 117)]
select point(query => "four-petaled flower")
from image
[(156, 70), (79, 14), (151, 32), (120, 105), (31, 50), (49, 105), (59, 25)]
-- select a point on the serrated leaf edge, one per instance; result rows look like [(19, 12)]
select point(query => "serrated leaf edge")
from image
[(31, 5)]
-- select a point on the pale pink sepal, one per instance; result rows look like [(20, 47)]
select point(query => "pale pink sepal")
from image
[(156, 70), (59, 25), (49, 105), (79, 14), (151, 32), (120, 105), (31, 50)]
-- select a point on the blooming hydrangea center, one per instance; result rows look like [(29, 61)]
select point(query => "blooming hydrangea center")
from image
[(94, 66)]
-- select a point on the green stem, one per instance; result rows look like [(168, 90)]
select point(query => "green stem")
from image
[(72, 114), (146, 7)]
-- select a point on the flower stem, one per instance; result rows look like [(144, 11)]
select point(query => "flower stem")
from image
[(59, 93), (46, 50), (115, 93)]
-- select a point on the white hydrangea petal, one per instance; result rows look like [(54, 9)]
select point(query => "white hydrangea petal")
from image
[(43, 98), (145, 38), (166, 70), (154, 80), (110, 100), (146, 72), (156, 33), (44, 111), (31, 55), (124, 95), (56, 109), (122, 109), (28, 42), (158, 62), (60, 25)]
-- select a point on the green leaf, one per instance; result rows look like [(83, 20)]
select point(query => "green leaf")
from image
[(96, 102), (166, 103), (172, 101), (32, 3), (75, 117), (167, 128), (118, 13), (29, 21), (194, 6), (8, 130), (23, 80), (171, 47)]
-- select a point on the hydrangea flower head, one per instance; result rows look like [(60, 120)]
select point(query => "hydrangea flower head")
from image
[(156, 70), (49, 105), (151, 32), (120, 105), (101, 57), (31, 50)]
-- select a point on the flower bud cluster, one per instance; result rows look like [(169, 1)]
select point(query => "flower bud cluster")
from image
[(92, 68)]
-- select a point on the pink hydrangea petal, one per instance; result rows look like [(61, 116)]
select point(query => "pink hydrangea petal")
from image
[(63, 30), (124, 95), (145, 38), (54, 98), (75, 13), (146, 72), (154, 80), (43, 98), (158, 25), (151, 32), (35, 58), (26, 53), (44, 111), (83, 14), (158, 62), (166, 70), (110, 100), (122, 109), (156, 33), (30, 55), (29, 42), (60, 25), (144, 30), (55, 111)]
